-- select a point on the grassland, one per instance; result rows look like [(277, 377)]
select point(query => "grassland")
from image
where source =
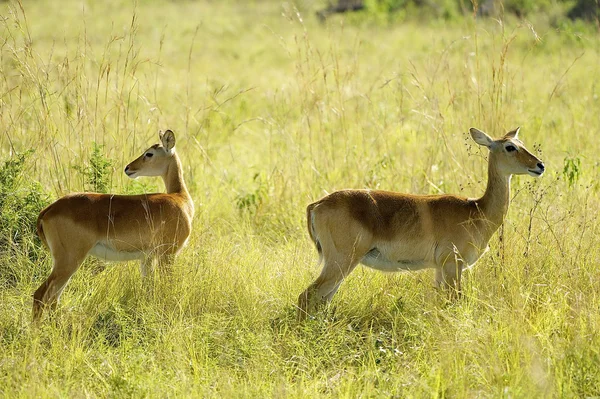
[(272, 110)]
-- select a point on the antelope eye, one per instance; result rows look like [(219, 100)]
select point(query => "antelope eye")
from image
[(511, 148), (149, 155)]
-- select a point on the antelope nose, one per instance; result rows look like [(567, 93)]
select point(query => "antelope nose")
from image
[(127, 168), (541, 166)]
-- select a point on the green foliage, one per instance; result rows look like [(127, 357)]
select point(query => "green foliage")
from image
[(250, 202), (585, 9), (21, 200), (374, 176), (571, 169), (522, 8), (98, 171), (312, 108), (396, 10)]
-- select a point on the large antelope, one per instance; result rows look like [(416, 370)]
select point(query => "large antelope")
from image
[(147, 227), (390, 231)]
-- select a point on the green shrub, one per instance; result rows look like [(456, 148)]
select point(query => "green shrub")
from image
[(571, 169), (398, 9), (21, 201), (585, 9), (394, 10), (250, 202), (98, 171)]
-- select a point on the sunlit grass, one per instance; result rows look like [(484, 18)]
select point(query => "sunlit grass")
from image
[(272, 110)]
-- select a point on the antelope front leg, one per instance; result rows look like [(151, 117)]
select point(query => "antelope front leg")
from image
[(146, 266), (448, 277), (165, 263)]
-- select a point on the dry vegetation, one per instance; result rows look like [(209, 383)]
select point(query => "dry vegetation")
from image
[(273, 109)]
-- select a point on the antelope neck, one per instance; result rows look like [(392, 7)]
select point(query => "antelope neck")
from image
[(495, 200), (173, 178)]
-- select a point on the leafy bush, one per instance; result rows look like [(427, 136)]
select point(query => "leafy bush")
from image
[(394, 10), (250, 202), (98, 172), (446, 9), (21, 201), (585, 9), (571, 170)]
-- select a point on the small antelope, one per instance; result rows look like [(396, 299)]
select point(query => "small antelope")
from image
[(391, 231), (117, 227)]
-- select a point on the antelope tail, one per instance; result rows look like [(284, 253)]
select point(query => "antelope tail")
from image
[(40, 227), (311, 229)]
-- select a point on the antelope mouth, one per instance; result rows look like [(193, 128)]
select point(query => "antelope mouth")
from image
[(130, 174), (535, 172)]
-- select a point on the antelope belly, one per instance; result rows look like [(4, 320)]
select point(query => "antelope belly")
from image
[(376, 260), (107, 253)]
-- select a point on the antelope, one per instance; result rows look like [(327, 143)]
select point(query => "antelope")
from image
[(391, 231), (112, 227)]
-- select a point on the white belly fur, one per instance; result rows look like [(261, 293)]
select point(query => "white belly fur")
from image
[(105, 252), (376, 260), (415, 260)]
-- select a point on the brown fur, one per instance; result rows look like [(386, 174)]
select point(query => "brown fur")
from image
[(117, 227), (123, 220), (392, 231)]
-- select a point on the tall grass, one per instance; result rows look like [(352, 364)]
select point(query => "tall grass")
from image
[(272, 110)]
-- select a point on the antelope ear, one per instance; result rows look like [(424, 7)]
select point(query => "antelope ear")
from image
[(168, 140), (513, 134), (481, 138)]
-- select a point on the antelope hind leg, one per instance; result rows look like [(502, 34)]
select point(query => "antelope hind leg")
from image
[(322, 290)]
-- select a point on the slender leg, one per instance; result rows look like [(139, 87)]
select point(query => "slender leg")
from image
[(165, 263), (439, 278), (448, 277), (329, 296), (325, 286), (68, 252), (49, 292), (342, 246), (146, 266)]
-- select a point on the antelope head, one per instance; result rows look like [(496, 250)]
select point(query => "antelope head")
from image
[(509, 154), (155, 160)]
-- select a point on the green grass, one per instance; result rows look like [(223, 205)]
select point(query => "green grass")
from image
[(272, 110)]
